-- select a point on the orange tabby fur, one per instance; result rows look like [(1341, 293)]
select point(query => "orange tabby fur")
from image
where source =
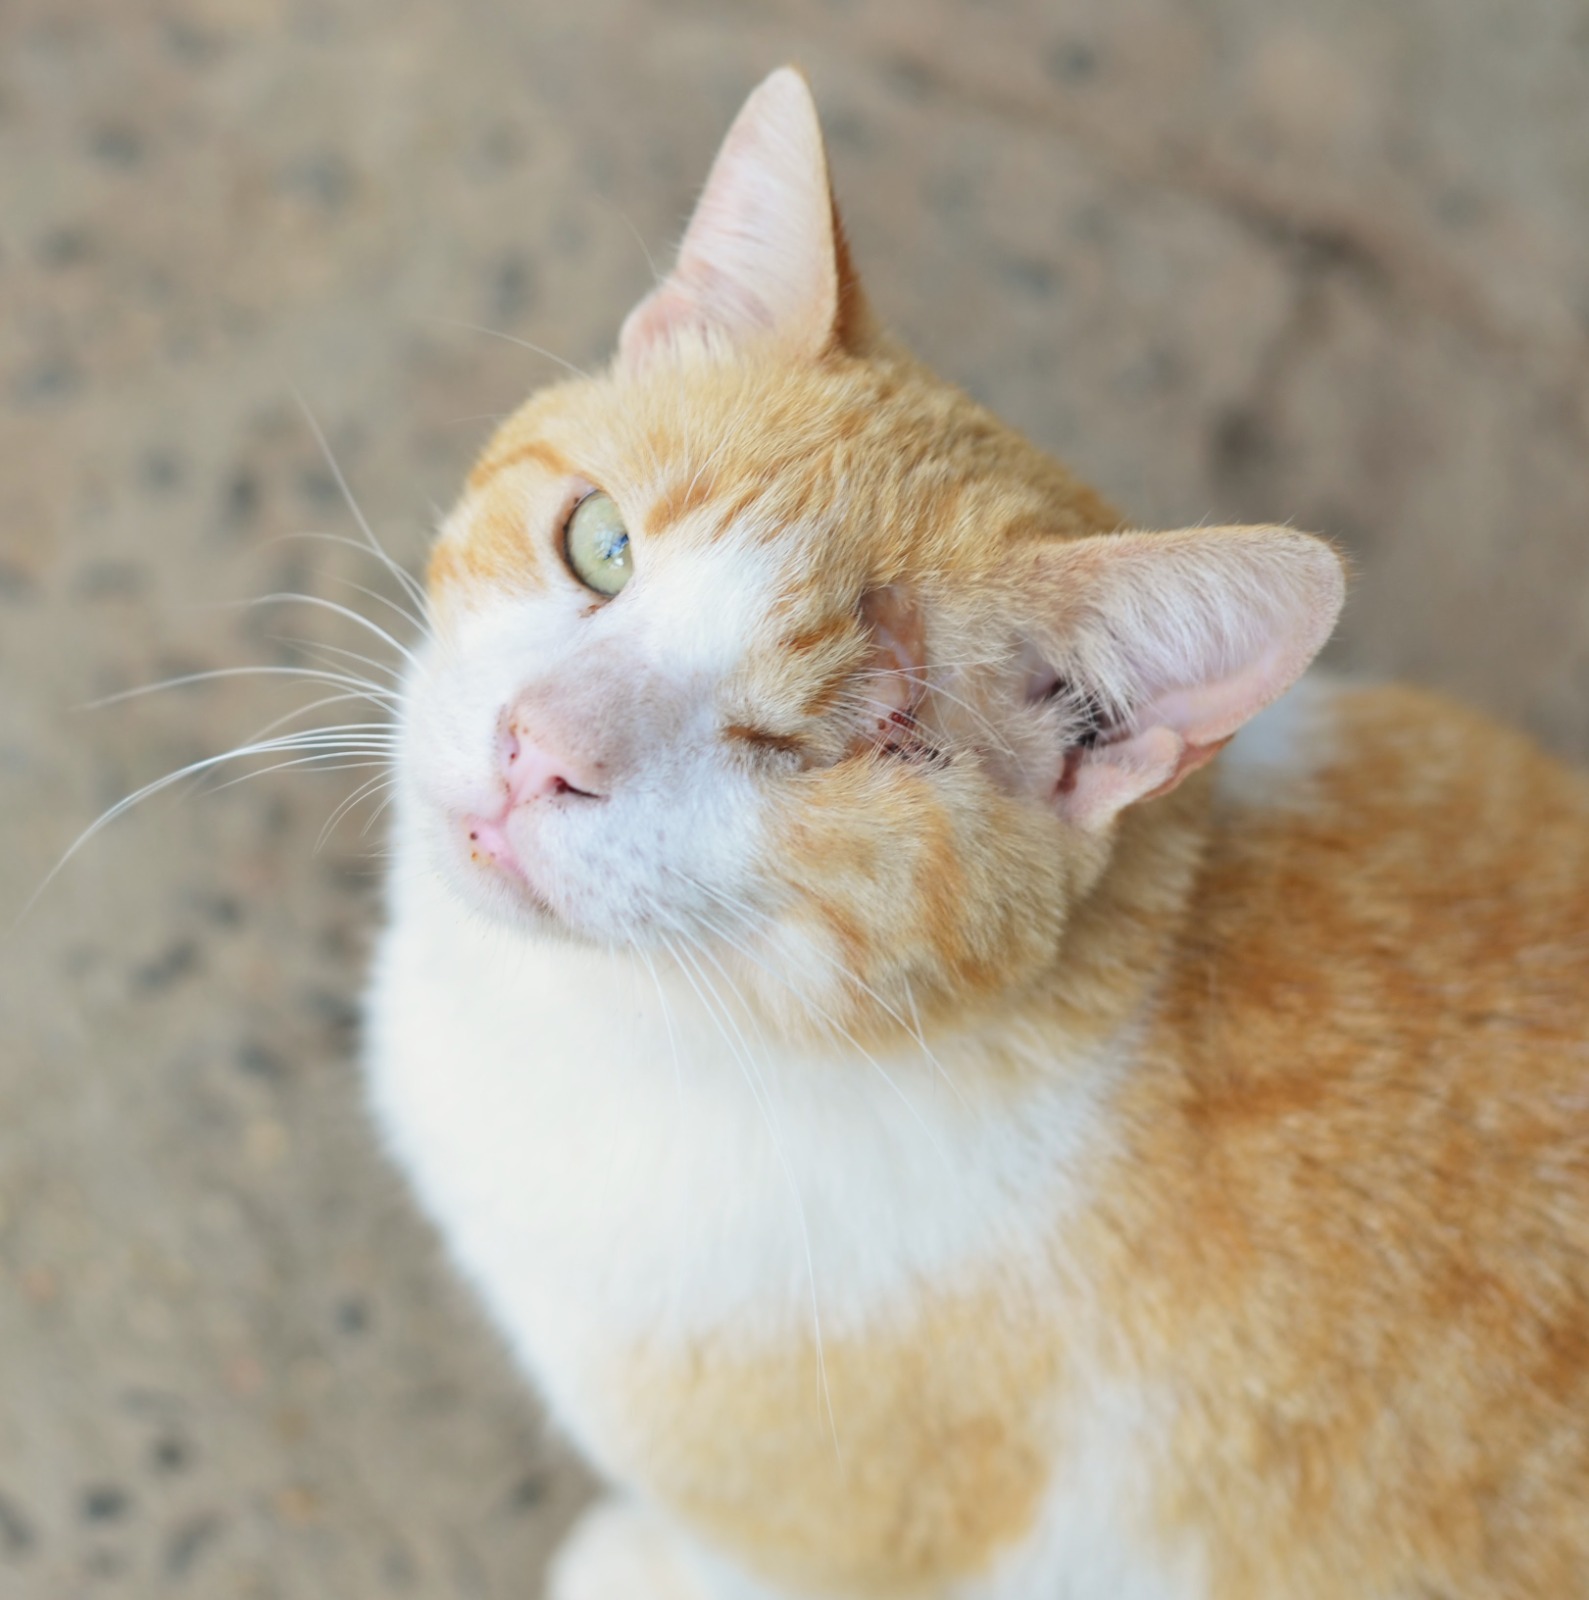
[(1352, 1205), (1343, 1228)]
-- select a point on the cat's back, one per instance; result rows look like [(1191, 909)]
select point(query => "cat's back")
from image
[(1369, 1217), (1389, 871)]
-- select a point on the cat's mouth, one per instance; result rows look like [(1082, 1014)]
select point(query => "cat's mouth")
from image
[(498, 864), (489, 845)]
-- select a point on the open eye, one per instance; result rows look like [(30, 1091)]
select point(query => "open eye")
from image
[(596, 545)]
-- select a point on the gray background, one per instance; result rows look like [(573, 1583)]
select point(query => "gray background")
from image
[(1233, 259)]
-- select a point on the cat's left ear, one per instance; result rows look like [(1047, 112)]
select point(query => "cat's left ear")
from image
[(1149, 650), (764, 257)]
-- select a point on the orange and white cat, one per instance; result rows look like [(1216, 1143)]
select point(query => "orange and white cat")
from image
[(927, 1127)]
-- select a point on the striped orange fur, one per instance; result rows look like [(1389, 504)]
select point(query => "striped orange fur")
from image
[(1188, 1146)]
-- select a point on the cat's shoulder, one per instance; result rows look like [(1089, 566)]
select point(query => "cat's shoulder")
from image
[(1388, 753), (1386, 850)]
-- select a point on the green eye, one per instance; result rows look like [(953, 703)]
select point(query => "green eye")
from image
[(596, 545)]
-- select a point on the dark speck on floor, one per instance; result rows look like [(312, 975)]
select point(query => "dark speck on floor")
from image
[(104, 1502)]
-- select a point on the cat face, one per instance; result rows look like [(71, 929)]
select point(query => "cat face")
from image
[(768, 647), (797, 726)]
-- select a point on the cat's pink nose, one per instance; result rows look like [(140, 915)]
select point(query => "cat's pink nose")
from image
[(535, 763)]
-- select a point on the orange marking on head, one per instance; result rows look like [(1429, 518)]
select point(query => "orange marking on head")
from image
[(682, 498), (818, 635), (510, 452), (825, 696), (734, 512), (500, 550)]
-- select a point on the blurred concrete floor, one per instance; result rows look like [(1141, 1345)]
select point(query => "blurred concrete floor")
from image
[(1324, 262)]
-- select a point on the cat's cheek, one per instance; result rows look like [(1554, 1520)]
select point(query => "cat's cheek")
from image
[(803, 976), (625, 871)]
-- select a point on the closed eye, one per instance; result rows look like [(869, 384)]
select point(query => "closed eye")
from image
[(890, 730), (764, 739), (905, 739)]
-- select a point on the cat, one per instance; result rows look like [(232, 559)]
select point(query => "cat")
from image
[(925, 1126)]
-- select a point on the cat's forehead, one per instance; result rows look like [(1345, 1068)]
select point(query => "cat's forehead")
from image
[(760, 445), (806, 483), (739, 484)]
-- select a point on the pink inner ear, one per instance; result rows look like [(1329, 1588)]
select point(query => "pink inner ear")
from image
[(1179, 730), (1095, 784), (1209, 713)]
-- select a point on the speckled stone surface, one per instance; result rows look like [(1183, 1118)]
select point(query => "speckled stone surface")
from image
[(1326, 263)]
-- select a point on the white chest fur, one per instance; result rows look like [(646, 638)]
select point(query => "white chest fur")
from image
[(606, 1163), (579, 1131)]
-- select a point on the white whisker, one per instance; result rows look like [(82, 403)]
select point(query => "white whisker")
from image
[(834, 1023), (314, 649), (333, 761), (313, 706), (375, 544), (410, 585), (496, 333), (376, 814), (297, 741), (370, 786), (356, 685), (383, 600), (287, 597), (848, 974), (884, 711), (667, 1022), (639, 238)]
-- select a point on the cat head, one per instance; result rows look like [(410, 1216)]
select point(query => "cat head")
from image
[(769, 648)]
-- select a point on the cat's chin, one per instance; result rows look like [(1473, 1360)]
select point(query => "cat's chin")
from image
[(531, 918), (491, 893), (508, 899)]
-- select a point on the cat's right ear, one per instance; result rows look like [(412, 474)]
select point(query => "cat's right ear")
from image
[(1152, 649), (764, 256)]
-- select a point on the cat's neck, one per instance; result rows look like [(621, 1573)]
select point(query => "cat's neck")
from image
[(638, 1106), (1119, 940)]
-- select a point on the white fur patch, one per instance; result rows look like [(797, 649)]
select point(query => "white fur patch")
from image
[(605, 1164), (619, 1551), (548, 1092)]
